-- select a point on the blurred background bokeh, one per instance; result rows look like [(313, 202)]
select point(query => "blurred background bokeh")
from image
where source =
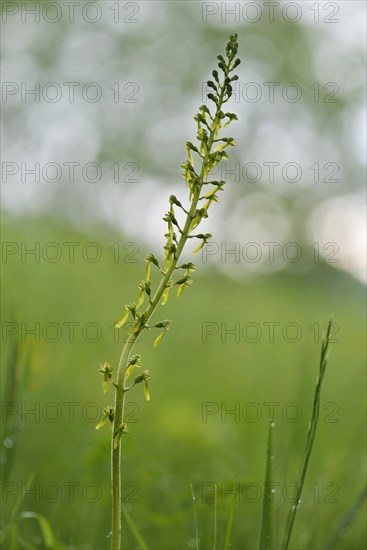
[(98, 101)]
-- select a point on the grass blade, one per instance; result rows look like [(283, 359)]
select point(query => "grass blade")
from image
[(45, 528), (215, 519), (267, 519), (11, 525), (311, 433), (348, 518), (134, 530), (14, 537), (195, 518), (229, 527)]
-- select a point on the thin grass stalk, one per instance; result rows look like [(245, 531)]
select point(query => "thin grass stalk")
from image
[(311, 433), (229, 527), (267, 518), (134, 529), (215, 519), (347, 519), (197, 538)]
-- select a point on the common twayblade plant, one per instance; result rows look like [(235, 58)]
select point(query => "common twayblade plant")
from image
[(208, 152)]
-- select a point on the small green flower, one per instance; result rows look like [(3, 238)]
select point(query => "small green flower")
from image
[(106, 371), (144, 287), (189, 267), (199, 215), (144, 377), (186, 281), (165, 296), (140, 322), (109, 413), (123, 319), (204, 239), (140, 301), (131, 308), (158, 339), (134, 362), (121, 430)]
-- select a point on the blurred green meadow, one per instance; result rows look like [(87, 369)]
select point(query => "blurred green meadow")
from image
[(208, 416)]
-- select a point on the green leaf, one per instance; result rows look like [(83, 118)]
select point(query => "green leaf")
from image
[(134, 530), (49, 541)]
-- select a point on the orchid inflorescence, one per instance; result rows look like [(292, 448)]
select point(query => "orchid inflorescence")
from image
[(202, 159)]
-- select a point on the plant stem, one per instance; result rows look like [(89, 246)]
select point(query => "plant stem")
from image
[(311, 432), (120, 388), (116, 452)]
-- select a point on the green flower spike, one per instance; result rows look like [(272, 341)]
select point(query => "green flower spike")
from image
[(201, 158)]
